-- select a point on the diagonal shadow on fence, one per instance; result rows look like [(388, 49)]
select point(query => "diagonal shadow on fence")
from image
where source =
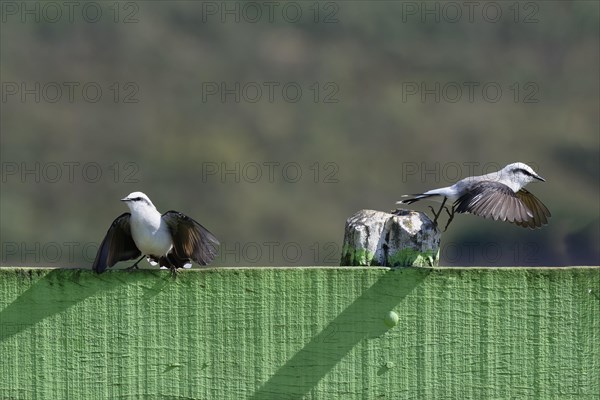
[(361, 320), (51, 293)]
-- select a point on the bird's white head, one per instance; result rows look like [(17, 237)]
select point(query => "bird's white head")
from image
[(138, 201), (517, 175)]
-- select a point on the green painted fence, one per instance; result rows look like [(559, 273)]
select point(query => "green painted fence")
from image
[(301, 333)]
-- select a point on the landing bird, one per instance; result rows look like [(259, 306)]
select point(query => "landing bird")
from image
[(172, 239), (498, 195)]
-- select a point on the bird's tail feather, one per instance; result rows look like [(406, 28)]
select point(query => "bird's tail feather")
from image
[(414, 197)]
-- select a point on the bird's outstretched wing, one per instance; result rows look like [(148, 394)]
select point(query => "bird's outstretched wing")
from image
[(491, 199), (191, 241), (118, 245), (538, 209)]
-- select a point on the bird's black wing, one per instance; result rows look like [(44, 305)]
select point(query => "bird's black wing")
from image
[(191, 241), (118, 245), (491, 199), (538, 209)]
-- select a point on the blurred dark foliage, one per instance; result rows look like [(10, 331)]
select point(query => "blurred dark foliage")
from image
[(356, 135)]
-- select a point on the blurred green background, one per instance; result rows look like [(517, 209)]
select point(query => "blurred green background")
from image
[(272, 122)]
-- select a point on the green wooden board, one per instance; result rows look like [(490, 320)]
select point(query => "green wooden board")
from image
[(301, 333)]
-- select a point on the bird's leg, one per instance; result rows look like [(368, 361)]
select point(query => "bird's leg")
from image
[(450, 217), (432, 211), (135, 266), (436, 215), (169, 261)]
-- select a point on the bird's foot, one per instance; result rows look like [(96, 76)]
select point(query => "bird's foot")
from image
[(135, 265), (174, 272), (435, 215), (450, 217)]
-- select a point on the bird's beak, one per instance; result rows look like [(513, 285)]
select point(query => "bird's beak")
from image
[(125, 199), (539, 178)]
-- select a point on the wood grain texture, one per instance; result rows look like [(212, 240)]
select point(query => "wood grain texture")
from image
[(301, 333)]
